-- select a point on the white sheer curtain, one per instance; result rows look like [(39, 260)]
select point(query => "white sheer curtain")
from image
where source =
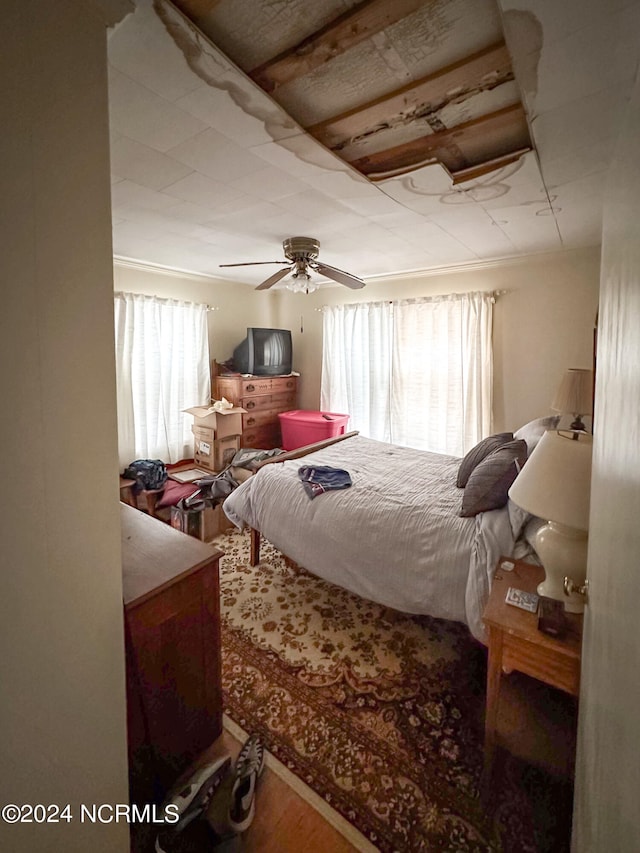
[(356, 366), (162, 367), (426, 362)]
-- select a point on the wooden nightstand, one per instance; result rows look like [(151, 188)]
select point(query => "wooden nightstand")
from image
[(531, 719)]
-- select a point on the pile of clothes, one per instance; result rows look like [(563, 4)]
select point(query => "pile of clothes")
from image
[(209, 490)]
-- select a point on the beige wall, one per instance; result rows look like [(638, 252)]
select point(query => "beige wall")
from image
[(235, 306), (542, 324), (62, 720)]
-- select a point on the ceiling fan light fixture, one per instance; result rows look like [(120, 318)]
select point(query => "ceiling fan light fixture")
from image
[(301, 282), (301, 254)]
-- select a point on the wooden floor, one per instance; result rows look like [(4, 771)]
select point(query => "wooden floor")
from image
[(284, 822)]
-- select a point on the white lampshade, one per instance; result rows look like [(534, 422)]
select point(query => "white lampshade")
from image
[(555, 484), (575, 392)]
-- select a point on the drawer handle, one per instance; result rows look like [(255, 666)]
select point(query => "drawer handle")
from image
[(290, 383), (251, 421), (251, 387), (251, 404), (249, 438)]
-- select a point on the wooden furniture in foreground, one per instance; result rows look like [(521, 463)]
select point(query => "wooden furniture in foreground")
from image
[(127, 495), (533, 679), (172, 633), (263, 397)]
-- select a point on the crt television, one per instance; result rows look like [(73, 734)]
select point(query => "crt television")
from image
[(264, 352)]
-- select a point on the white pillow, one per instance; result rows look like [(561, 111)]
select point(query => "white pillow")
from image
[(524, 548), (518, 518), (534, 430)]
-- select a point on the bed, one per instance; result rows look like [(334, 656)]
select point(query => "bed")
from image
[(394, 537)]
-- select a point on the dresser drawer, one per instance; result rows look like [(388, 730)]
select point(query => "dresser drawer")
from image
[(275, 402), (239, 387), (259, 418), (264, 385), (283, 384), (283, 402), (255, 385), (262, 437)]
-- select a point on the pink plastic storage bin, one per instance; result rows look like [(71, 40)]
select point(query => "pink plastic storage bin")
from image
[(301, 427)]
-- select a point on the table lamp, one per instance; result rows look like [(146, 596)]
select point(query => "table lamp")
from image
[(555, 485), (575, 395)]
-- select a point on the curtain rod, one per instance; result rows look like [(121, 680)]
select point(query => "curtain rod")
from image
[(122, 293), (494, 294)]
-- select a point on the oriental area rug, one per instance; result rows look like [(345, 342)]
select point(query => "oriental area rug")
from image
[(379, 713)]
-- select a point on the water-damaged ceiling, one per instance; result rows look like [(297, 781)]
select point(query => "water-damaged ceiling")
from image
[(388, 86), (403, 134)]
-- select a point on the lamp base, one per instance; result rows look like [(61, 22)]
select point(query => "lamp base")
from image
[(563, 552)]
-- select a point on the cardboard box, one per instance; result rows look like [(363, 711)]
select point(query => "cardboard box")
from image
[(224, 423), (203, 439), (211, 452), (204, 524), (215, 523)]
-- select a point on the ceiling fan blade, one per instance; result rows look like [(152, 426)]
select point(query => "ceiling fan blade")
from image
[(340, 276), (253, 263), (273, 279)]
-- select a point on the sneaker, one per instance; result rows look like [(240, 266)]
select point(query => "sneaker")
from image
[(193, 798), (249, 765)]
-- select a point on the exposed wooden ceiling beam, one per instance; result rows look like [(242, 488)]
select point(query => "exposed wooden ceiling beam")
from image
[(419, 99), (481, 169), (359, 23), (507, 127)]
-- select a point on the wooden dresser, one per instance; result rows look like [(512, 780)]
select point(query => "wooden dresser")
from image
[(172, 634), (263, 397)]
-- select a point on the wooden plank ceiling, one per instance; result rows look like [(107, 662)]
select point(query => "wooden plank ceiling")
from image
[(387, 85)]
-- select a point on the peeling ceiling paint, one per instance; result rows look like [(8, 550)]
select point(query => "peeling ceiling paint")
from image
[(374, 49), (207, 168), (216, 71)]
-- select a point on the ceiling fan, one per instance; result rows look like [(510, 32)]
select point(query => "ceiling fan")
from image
[(301, 254)]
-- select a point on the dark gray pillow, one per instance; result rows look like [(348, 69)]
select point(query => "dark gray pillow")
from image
[(489, 483), (478, 453)]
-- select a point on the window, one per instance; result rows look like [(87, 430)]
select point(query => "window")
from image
[(414, 372), (162, 368)]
